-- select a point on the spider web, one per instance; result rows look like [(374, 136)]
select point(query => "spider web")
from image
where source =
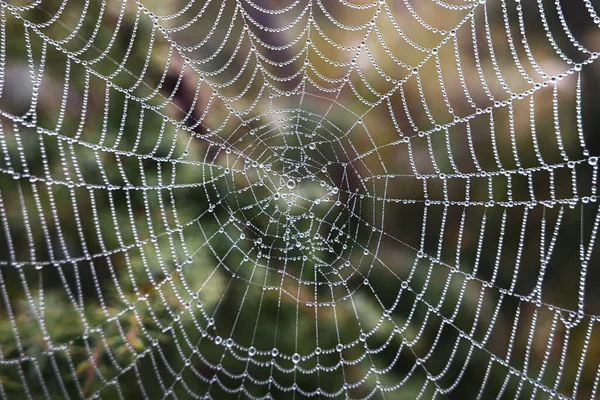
[(307, 199)]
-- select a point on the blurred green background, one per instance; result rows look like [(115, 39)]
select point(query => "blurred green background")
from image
[(137, 237)]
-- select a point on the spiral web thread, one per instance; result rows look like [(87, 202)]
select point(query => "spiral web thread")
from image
[(363, 189)]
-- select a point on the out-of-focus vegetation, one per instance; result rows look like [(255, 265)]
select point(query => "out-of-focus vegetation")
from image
[(115, 290)]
